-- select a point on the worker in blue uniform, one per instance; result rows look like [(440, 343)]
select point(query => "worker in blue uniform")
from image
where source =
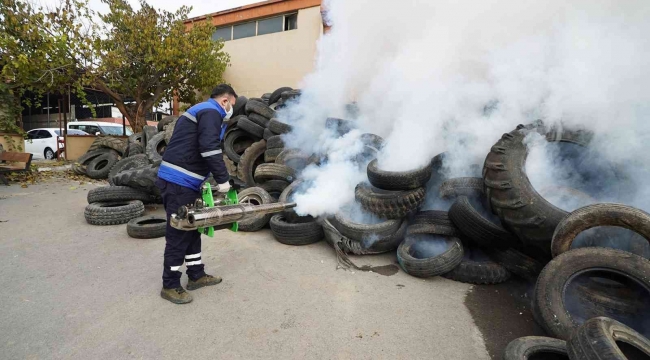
[(193, 152)]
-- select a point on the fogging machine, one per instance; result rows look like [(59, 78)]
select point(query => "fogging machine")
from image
[(208, 213)]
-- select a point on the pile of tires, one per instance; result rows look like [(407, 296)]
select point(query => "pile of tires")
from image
[(131, 181), (254, 138)]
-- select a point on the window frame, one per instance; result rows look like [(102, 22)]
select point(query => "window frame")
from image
[(244, 23), (284, 21), (257, 32), (256, 21)]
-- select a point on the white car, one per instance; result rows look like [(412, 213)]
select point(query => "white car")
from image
[(99, 127), (44, 142)]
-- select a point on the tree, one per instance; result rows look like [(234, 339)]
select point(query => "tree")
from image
[(137, 57), (147, 54), (33, 59)]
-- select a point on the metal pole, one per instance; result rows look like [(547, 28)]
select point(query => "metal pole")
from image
[(48, 109), (123, 125)]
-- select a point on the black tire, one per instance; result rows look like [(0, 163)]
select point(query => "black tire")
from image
[(240, 106), (378, 246), (271, 154), (156, 147), (109, 142), (530, 347), (431, 266), (255, 196), (169, 131), (232, 124), (266, 172), (147, 227), (259, 120), (431, 217), (369, 238), (433, 222), (79, 166), (293, 158), (277, 94), (477, 268), (148, 132), (99, 167), (113, 213), (278, 127), (599, 300), (389, 204), (511, 195), (251, 127), (398, 180), (516, 262), (476, 222), (274, 187), (230, 166), (340, 126), (291, 94), (143, 178), (131, 162), (602, 338), (117, 193), (250, 160), (136, 138), (258, 107), (287, 196), (598, 215), (464, 186), (134, 149), (164, 122), (303, 232), (359, 231), (434, 228), (553, 286), (268, 134), (236, 143), (275, 142)]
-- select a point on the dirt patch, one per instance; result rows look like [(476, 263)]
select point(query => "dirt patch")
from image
[(502, 314)]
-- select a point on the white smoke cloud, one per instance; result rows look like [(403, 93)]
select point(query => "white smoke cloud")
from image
[(455, 75)]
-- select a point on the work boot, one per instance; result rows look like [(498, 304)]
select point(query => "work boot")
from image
[(177, 296), (205, 280)]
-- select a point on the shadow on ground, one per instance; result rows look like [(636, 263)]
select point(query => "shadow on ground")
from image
[(502, 313)]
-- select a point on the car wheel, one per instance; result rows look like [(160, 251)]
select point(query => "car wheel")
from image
[(49, 154)]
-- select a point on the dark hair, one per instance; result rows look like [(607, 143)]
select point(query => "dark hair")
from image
[(223, 89)]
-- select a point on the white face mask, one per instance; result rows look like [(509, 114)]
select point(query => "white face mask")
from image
[(228, 113)]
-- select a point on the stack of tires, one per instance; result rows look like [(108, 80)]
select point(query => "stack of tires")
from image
[(290, 228), (391, 198), (587, 296), (102, 155), (132, 183), (253, 138)]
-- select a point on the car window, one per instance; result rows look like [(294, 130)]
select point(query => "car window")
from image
[(112, 130), (44, 134), (76, 132), (57, 132), (91, 129), (73, 126), (32, 134)]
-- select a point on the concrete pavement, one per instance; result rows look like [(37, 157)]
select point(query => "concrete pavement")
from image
[(70, 290)]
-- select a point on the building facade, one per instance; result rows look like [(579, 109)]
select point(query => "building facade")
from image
[(271, 44)]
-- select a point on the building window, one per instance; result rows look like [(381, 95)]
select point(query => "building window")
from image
[(268, 26), (291, 22), (224, 33), (244, 30), (255, 28)]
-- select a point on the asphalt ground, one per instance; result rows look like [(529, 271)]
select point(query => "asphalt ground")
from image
[(72, 290)]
